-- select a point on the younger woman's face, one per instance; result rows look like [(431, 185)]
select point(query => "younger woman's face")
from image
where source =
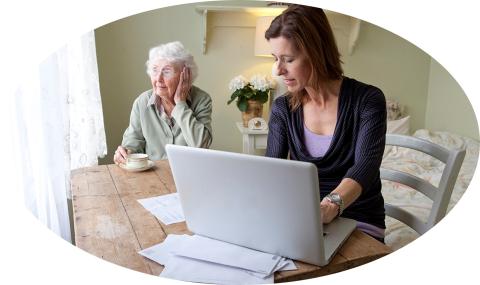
[(290, 64)]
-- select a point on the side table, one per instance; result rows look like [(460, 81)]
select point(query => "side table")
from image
[(252, 139)]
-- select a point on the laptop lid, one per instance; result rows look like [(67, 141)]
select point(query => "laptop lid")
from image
[(267, 204)]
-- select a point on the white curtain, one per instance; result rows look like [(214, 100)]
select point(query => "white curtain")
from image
[(59, 128)]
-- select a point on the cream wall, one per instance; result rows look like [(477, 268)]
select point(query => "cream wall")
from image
[(448, 108), (394, 65), (380, 58)]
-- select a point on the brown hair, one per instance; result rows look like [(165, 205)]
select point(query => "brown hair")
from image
[(309, 31)]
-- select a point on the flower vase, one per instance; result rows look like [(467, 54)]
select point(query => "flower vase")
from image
[(254, 109)]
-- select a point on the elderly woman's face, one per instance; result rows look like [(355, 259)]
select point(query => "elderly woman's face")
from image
[(165, 76), (290, 64)]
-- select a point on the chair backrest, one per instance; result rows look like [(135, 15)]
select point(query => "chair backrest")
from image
[(439, 195)]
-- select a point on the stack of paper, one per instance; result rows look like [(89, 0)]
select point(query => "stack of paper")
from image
[(200, 259)]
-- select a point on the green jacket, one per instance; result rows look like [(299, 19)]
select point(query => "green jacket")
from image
[(149, 130)]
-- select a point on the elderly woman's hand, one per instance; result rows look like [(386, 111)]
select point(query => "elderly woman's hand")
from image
[(184, 85), (120, 155)]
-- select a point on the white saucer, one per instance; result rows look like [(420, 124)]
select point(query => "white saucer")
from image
[(150, 165)]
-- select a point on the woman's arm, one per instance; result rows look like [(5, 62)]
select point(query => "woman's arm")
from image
[(349, 190), (277, 142), (133, 138), (195, 124), (369, 147)]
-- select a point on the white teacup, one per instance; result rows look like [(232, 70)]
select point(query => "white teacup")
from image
[(137, 160)]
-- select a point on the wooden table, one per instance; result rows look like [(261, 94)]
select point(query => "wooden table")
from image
[(111, 224)]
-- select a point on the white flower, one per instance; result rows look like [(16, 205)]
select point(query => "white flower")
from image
[(237, 83), (260, 82)]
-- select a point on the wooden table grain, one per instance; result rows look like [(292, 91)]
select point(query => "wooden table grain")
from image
[(111, 224)]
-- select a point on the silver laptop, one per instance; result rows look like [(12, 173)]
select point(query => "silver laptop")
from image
[(267, 204)]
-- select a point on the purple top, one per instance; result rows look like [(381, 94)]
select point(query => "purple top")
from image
[(316, 145), (371, 230)]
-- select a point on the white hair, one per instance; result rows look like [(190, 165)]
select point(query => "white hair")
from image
[(173, 52)]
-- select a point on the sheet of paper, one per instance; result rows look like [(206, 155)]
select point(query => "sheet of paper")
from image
[(206, 249), (166, 208), (286, 265), (283, 265), (192, 270), (161, 252)]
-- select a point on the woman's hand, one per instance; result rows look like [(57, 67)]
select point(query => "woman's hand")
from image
[(120, 155), (329, 211), (184, 85), (349, 190)]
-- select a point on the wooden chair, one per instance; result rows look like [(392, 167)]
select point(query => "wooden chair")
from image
[(439, 195)]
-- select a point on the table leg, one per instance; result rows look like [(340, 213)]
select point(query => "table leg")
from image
[(248, 144)]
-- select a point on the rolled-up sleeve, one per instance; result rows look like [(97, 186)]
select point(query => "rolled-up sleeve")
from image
[(196, 123), (133, 138), (370, 142)]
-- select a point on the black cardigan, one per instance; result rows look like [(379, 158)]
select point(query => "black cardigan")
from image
[(355, 152)]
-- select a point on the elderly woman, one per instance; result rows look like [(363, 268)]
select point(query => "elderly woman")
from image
[(173, 111), (328, 119)]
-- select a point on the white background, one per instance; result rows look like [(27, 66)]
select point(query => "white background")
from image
[(31, 30)]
